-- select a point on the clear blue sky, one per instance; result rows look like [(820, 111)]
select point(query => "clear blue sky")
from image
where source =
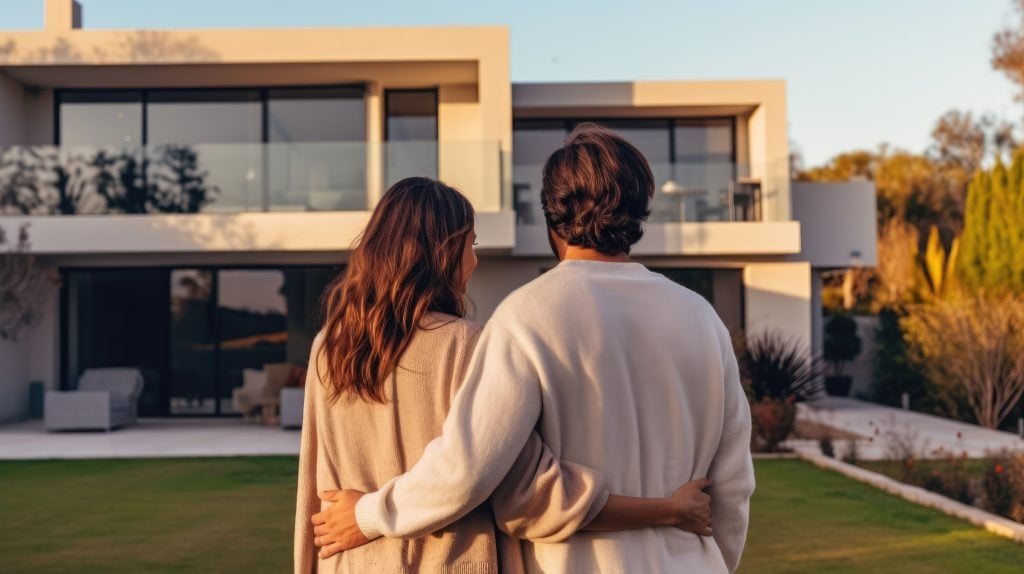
[(858, 72)]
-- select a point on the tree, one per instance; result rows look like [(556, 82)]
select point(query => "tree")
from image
[(991, 256), (842, 344), (1008, 50), (972, 345), (23, 285)]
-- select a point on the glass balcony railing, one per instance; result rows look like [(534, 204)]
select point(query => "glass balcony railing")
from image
[(684, 192), (233, 178)]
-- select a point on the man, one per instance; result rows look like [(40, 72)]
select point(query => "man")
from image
[(617, 368)]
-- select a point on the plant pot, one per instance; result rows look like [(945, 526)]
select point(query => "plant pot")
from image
[(838, 385), (773, 421)]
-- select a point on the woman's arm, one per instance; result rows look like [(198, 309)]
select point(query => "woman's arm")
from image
[(689, 508)]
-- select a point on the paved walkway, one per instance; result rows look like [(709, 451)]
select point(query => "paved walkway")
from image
[(884, 427), (156, 438)]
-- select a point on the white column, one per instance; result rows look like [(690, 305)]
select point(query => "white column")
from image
[(778, 297), (374, 144)]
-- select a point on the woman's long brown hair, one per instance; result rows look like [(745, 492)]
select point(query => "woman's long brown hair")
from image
[(407, 263)]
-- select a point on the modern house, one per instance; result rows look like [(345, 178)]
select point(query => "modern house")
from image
[(195, 190)]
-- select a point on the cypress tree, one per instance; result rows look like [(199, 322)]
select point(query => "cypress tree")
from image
[(991, 254)]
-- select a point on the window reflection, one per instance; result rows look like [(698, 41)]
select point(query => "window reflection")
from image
[(411, 133)]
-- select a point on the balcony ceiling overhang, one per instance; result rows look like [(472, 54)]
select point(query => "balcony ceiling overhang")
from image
[(392, 74)]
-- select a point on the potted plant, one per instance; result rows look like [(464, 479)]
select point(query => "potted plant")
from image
[(842, 345), (777, 372)]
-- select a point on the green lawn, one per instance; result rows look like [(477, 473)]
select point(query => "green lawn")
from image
[(235, 515)]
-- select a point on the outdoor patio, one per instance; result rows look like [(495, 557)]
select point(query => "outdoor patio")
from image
[(150, 438)]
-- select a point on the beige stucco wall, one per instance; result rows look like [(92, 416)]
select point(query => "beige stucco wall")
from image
[(468, 65), (778, 297)]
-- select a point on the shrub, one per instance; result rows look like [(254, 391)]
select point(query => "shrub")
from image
[(842, 344), (1002, 486), (974, 346), (774, 366), (827, 448), (852, 454)]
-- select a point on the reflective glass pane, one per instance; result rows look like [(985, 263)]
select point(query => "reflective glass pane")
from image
[(100, 119), (411, 133)]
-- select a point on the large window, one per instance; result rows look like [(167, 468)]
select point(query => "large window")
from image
[(317, 145), (693, 161), (111, 119), (193, 331), (411, 132), (215, 150)]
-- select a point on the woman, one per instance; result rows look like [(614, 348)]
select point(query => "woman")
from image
[(382, 375)]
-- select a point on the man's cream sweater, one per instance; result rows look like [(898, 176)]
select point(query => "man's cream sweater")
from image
[(360, 445), (617, 368)]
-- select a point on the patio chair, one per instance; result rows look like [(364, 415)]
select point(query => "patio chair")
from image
[(246, 398), (105, 399)]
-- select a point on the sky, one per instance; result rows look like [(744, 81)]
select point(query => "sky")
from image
[(858, 73)]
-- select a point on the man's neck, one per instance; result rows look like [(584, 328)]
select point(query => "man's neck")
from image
[(584, 254)]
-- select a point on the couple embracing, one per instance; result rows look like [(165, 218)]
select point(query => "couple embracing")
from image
[(596, 423)]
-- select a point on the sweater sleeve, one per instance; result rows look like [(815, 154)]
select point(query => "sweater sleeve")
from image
[(490, 420), (732, 469), (545, 499), (307, 501)]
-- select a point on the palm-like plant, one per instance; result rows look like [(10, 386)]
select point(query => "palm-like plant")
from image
[(776, 366)]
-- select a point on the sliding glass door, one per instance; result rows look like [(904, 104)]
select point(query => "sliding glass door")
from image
[(192, 331)]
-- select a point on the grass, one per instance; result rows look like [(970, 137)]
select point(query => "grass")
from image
[(809, 520), (235, 515)]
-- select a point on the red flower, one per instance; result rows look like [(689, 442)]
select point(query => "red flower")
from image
[(999, 469)]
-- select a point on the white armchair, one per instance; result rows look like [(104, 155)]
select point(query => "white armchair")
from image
[(105, 399), (246, 398)]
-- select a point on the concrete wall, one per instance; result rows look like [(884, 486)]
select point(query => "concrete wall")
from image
[(12, 112), (837, 223), (862, 368), (778, 297), (32, 357), (331, 231), (714, 238), (496, 277), (15, 374)]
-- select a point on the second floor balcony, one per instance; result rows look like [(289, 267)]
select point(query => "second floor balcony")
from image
[(237, 178)]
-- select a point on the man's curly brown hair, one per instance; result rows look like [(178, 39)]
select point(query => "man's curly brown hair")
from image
[(597, 191)]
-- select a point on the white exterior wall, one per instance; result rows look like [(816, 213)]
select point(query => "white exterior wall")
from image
[(778, 297)]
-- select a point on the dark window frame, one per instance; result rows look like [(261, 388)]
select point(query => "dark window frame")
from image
[(671, 122)]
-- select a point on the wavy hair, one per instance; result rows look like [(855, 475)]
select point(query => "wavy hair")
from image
[(597, 190), (407, 263)]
